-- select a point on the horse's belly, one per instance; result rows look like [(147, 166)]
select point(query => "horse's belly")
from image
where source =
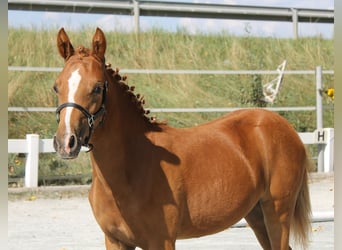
[(213, 220), (217, 204)]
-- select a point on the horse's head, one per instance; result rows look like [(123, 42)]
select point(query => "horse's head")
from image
[(81, 89)]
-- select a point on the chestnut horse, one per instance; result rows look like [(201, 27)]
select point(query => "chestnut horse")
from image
[(153, 184)]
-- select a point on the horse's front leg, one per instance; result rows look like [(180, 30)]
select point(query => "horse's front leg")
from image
[(114, 244), (162, 245)]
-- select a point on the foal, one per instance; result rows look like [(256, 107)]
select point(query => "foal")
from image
[(153, 184)]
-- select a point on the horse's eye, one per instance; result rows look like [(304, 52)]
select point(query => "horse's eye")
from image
[(55, 88), (97, 89)]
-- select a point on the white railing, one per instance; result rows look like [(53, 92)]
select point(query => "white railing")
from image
[(32, 146)]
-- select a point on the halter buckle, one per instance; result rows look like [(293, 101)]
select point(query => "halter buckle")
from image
[(91, 121)]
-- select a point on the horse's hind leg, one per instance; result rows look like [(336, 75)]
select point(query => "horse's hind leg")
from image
[(255, 220), (277, 217)]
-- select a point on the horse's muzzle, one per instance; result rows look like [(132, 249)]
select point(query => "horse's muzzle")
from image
[(67, 146)]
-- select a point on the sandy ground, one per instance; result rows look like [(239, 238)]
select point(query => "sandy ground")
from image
[(60, 218)]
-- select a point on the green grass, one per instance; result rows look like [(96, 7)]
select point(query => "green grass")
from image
[(158, 49)]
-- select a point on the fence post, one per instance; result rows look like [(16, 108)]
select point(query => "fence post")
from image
[(31, 166), (136, 12), (319, 117), (295, 23), (329, 150)]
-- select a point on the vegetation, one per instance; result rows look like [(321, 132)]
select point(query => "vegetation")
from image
[(158, 49)]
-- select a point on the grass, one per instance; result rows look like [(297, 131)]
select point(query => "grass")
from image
[(157, 49)]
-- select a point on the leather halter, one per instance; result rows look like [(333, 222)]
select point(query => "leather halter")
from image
[(91, 117)]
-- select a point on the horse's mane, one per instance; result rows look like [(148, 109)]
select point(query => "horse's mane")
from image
[(137, 100)]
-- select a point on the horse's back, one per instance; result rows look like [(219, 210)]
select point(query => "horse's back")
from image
[(261, 136)]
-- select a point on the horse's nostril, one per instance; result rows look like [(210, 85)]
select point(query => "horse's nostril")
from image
[(72, 141)]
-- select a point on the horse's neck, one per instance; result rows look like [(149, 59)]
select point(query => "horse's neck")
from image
[(112, 141), (124, 113)]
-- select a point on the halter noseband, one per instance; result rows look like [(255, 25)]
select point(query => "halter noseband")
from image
[(91, 117)]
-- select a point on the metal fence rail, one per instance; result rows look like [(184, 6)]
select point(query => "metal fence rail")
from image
[(182, 71), (139, 8), (172, 110)]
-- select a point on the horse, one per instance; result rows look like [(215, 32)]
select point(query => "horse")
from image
[(153, 183)]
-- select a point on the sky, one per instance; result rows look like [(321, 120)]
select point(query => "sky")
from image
[(75, 21)]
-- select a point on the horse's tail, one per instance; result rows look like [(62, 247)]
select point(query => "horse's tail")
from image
[(301, 226)]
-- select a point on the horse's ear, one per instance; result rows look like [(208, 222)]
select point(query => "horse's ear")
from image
[(99, 44), (64, 45)]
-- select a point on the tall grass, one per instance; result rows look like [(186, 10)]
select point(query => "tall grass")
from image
[(157, 49)]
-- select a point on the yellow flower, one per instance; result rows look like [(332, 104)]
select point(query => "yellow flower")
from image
[(331, 93), (32, 198), (17, 162)]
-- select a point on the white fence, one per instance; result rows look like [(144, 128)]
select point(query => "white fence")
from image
[(32, 146)]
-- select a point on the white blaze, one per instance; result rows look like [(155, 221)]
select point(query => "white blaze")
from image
[(73, 84)]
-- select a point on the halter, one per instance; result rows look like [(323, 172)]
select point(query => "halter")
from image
[(91, 117)]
